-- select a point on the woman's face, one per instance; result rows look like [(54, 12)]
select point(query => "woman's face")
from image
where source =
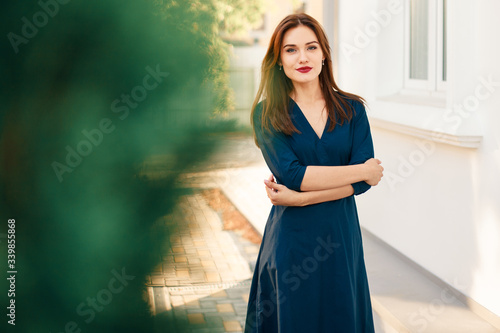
[(301, 55)]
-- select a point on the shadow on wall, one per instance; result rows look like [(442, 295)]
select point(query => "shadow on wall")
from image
[(90, 90)]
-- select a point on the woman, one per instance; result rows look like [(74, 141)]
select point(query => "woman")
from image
[(310, 274)]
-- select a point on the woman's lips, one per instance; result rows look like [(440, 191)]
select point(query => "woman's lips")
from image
[(304, 69)]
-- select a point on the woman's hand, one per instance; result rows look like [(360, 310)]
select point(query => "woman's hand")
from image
[(280, 195), (374, 171)]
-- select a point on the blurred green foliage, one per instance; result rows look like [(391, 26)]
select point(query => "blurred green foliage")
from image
[(88, 95), (210, 19)]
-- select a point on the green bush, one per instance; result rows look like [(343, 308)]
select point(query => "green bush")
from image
[(89, 94)]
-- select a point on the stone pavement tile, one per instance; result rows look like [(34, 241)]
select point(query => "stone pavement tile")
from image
[(190, 251), (219, 294), (191, 301), (194, 261), (209, 304), (177, 301), (251, 249), (177, 249), (157, 280), (232, 326), (207, 263), (223, 266), (199, 243), (204, 253), (212, 276), (180, 312), (227, 276), (214, 321), (241, 310), (182, 273), (180, 259), (225, 307), (196, 318)]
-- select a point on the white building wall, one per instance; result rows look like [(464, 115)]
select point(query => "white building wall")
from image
[(439, 203)]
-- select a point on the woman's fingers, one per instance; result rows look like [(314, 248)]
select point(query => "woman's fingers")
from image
[(272, 190), (272, 185), (373, 161), (376, 172), (279, 194), (271, 194)]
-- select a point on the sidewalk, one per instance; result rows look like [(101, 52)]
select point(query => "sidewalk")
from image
[(203, 282), (205, 274)]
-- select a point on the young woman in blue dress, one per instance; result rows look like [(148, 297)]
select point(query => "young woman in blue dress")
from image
[(310, 274)]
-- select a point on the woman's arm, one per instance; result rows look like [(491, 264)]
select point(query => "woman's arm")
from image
[(331, 177), (280, 195), (362, 172), (283, 162)]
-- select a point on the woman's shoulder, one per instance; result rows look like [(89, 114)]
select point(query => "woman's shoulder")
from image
[(258, 121), (256, 115), (358, 108), (259, 106), (357, 105), (257, 111), (352, 100)]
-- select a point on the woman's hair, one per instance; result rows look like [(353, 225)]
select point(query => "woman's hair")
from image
[(275, 86)]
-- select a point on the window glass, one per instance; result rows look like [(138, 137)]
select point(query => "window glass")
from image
[(419, 44)]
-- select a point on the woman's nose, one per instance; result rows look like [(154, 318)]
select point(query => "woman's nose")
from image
[(303, 57)]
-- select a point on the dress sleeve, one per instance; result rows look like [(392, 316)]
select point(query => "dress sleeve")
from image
[(362, 144), (278, 154)]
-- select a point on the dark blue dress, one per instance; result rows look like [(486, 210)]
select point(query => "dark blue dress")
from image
[(310, 274)]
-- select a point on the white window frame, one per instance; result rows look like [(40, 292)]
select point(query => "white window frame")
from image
[(440, 83), (434, 85)]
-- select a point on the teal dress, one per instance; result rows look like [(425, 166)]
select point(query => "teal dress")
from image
[(310, 273)]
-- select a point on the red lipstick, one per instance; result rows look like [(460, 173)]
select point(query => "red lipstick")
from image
[(304, 69)]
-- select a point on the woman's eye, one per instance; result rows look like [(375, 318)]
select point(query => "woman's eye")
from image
[(313, 48), (290, 50)]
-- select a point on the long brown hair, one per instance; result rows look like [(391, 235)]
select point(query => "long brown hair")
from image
[(276, 87)]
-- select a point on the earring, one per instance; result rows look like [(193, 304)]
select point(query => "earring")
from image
[(280, 67), (323, 62)]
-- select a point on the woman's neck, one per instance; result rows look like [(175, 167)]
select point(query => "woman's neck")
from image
[(309, 92)]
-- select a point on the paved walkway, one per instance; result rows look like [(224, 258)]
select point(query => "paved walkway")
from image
[(203, 282)]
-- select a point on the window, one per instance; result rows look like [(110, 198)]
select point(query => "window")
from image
[(425, 39)]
